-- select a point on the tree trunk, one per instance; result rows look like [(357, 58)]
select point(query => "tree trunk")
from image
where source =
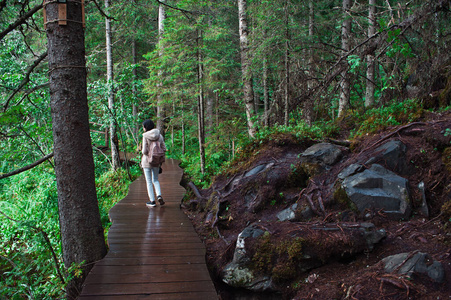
[(265, 92), (200, 105), (135, 126), (345, 46), (161, 111), (370, 60), (109, 75), (81, 229), (311, 29), (308, 105), (287, 68), (245, 68), (209, 118)]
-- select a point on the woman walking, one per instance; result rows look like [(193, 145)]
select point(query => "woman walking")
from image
[(153, 149)]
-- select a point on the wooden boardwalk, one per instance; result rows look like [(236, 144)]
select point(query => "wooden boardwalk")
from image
[(154, 253)]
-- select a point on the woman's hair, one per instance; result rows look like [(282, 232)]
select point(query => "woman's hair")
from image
[(148, 125)]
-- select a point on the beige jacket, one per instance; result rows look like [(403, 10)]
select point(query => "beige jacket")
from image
[(149, 137)]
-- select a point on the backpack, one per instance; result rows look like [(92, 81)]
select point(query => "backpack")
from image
[(158, 153)]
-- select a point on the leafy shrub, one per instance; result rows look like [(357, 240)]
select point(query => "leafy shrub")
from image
[(31, 264), (30, 235), (112, 187), (377, 119)]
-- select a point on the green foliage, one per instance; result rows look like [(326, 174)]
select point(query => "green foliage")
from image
[(354, 62), (396, 46), (28, 203), (165, 74), (29, 226), (112, 187), (376, 119)]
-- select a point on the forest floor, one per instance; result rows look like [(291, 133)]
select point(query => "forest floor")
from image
[(361, 276)]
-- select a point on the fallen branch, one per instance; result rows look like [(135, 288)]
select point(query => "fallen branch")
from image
[(196, 191), (321, 204), (312, 206), (338, 142), (222, 237), (392, 134)]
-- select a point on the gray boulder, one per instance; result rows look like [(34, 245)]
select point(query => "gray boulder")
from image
[(410, 263), (380, 189), (258, 169), (238, 273), (351, 170), (288, 214), (392, 155), (264, 258), (325, 153)]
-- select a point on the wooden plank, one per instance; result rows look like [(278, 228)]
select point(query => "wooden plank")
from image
[(144, 288), (168, 253), (154, 253), (151, 260), (165, 296)]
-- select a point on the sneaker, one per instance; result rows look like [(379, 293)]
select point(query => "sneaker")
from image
[(151, 204), (160, 199)]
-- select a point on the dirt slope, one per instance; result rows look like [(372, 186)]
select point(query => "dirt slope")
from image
[(221, 212)]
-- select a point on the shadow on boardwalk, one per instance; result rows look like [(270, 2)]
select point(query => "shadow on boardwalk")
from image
[(154, 253)]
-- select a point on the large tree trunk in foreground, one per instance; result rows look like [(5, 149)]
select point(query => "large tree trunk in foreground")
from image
[(81, 229)]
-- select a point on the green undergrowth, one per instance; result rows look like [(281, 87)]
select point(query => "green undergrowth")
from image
[(354, 124), (111, 188), (378, 119), (29, 233), (31, 265)]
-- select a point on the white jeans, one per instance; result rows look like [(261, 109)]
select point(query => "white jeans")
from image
[(151, 175)]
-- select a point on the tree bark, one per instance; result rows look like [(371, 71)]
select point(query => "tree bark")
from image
[(345, 46), (370, 59), (245, 68), (287, 68), (81, 229), (135, 126), (265, 92), (200, 105), (209, 115), (309, 101), (110, 83), (311, 28)]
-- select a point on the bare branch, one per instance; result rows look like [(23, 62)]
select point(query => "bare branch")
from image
[(27, 167), (102, 12), (35, 142), (26, 79), (33, 89), (176, 8), (20, 21)]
